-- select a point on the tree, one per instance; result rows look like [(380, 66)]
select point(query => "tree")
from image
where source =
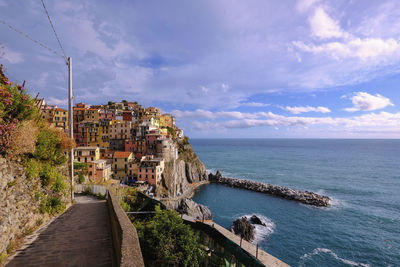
[(166, 241)]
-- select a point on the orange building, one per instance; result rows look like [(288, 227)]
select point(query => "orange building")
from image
[(150, 170)]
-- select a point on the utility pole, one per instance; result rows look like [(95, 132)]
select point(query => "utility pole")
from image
[(71, 125)]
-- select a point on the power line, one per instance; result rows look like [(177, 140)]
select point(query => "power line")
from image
[(54, 30), (30, 38)]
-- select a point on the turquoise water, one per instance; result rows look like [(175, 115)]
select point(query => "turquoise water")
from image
[(361, 228)]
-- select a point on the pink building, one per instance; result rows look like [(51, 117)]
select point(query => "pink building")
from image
[(107, 115)]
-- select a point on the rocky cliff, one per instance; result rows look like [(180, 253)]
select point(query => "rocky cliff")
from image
[(180, 173)]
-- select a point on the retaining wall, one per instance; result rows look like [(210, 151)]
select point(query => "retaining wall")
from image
[(125, 239)]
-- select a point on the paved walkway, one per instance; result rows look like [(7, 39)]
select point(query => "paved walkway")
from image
[(79, 237)]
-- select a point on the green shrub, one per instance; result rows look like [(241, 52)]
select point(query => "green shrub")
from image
[(2, 257), (59, 185), (32, 168), (47, 174), (48, 147), (38, 196), (12, 183), (125, 206), (39, 222), (167, 241), (81, 178), (52, 205)]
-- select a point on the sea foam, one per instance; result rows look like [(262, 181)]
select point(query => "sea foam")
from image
[(317, 251), (262, 232)]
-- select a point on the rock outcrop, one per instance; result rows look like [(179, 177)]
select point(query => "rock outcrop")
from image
[(192, 209), (255, 220), (180, 173), (305, 197), (242, 227)]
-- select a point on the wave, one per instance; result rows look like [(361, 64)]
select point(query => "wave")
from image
[(331, 253), (262, 232)]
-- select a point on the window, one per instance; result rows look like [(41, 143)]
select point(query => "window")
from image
[(115, 160), (91, 158), (146, 171), (152, 170), (152, 176), (115, 167)]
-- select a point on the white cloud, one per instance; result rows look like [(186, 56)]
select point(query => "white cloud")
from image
[(204, 89), (325, 27), (201, 113), (225, 87), (57, 101), (364, 49), (298, 110), (305, 5), (367, 122), (254, 104), (11, 56), (367, 102)]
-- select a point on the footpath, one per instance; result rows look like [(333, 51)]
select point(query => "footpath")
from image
[(79, 237)]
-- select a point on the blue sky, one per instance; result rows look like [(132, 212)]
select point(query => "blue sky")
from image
[(307, 68)]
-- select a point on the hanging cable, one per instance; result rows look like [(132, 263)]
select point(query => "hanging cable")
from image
[(55, 33), (30, 38)]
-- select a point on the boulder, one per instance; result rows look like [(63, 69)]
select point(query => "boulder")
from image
[(242, 227), (255, 220), (192, 209)]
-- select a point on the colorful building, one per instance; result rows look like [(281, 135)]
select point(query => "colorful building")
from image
[(150, 170), (60, 118), (122, 165), (99, 171), (92, 114), (86, 154), (120, 130), (167, 120)]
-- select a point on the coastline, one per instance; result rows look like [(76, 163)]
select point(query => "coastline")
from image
[(305, 197)]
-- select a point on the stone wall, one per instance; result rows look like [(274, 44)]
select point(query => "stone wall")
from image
[(19, 203), (125, 239)]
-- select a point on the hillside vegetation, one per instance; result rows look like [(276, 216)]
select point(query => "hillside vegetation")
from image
[(33, 171)]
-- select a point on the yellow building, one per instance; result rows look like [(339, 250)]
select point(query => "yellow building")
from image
[(86, 154), (166, 120), (60, 118), (97, 134), (92, 114), (122, 165)]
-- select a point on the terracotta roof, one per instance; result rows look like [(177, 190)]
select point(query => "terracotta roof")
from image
[(60, 109), (122, 154)]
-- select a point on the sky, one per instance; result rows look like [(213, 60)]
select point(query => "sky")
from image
[(225, 69)]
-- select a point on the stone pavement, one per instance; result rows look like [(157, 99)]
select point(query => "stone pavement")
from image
[(79, 237)]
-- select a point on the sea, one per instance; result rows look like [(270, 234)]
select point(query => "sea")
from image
[(362, 177)]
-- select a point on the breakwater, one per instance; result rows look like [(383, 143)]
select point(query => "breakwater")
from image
[(306, 197)]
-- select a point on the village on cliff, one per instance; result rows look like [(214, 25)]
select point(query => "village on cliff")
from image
[(121, 140)]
